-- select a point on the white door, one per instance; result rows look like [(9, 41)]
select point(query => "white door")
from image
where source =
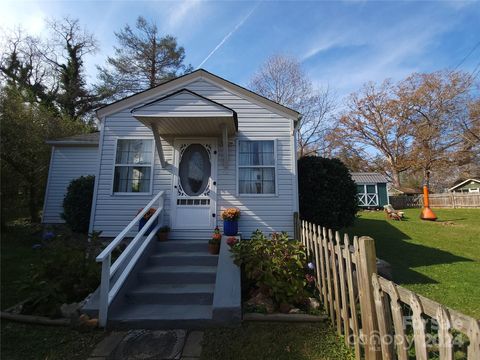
[(194, 185)]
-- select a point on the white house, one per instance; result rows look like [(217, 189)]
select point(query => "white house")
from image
[(193, 146)]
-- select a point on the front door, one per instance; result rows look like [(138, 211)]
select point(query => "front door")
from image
[(194, 186)]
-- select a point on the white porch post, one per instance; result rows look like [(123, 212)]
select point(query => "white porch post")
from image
[(158, 142)]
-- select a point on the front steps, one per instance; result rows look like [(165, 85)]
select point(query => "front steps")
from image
[(174, 290)]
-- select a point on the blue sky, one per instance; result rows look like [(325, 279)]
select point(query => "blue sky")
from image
[(341, 44)]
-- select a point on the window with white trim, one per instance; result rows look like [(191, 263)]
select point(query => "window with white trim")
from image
[(133, 166), (256, 167)]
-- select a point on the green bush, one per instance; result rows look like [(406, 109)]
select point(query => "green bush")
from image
[(327, 193), (275, 265), (67, 273), (77, 203)]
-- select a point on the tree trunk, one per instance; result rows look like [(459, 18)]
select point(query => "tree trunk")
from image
[(395, 178)]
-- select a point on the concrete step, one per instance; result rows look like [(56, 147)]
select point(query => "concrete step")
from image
[(185, 274), (183, 258), (157, 316), (182, 245), (173, 294)]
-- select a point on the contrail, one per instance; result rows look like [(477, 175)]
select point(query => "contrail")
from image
[(228, 36)]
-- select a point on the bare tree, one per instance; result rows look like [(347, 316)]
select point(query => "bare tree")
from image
[(376, 119), (282, 79)]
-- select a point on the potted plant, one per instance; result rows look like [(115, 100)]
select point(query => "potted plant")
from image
[(163, 232), (230, 218), (214, 242), (145, 218)]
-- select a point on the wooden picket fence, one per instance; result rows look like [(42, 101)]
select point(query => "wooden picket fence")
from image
[(443, 200), (371, 312)]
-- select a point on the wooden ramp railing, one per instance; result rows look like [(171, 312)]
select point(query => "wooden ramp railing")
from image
[(380, 319)]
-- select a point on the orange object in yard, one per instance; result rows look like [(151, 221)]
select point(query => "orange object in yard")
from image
[(427, 213)]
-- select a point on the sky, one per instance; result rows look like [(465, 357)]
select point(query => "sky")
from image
[(340, 44)]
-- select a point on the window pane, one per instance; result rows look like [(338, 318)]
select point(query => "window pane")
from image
[(371, 189), (256, 181), (360, 189), (256, 152), (194, 170), (132, 179), (136, 151)]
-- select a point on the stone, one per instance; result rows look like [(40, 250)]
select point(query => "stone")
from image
[(70, 310), (295, 311), (262, 300), (108, 344), (193, 345), (145, 344), (313, 303)]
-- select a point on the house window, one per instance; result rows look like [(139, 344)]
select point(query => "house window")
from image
[(133, 166), (256, 167)]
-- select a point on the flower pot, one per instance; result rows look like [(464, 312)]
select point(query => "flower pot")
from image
[(142, 223), (162, 236), (230, 227), (214, 249)]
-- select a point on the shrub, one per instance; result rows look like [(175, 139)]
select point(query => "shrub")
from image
[(67, 273), (327, 193), (276, 265), (77, 203)]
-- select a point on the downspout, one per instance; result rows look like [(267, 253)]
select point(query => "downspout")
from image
[(97, 176), (296, 126)]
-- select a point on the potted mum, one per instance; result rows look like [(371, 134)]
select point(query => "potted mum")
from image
[(163, 232), (145, 218), (230, 218), (214, 242)]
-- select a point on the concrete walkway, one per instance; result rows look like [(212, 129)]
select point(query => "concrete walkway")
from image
[(150, 345)]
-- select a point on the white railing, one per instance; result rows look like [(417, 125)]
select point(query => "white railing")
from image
[(109, 287), (367, 200)]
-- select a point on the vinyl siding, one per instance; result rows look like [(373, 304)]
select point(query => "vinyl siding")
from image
[(268, 213), (67, 163)]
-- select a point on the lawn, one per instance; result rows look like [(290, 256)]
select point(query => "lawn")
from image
[(22, 341), (440, 260), (275, 341)]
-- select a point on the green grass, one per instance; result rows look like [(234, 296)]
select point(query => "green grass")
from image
[(440, 260), (276, 341), (25, 341)]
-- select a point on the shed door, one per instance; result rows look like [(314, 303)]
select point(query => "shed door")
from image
[(194, 188)]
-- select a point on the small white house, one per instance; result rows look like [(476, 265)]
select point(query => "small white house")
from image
[(189, 147), (207, 143), (466, 186)]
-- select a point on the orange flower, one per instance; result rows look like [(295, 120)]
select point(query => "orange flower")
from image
[(231, 214)]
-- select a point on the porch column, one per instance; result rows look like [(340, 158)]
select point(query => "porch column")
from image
[(158, 142), (225, 145)]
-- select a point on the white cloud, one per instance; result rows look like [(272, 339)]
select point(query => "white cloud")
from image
[(179, 13)]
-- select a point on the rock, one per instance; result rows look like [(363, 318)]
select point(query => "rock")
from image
[(295, 311), (70, 310), (262, 300), (313, 303)]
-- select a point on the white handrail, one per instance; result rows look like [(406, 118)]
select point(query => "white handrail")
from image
[(107, 292), (115, 242)]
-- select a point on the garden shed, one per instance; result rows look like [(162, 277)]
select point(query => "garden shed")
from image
[(371, 189)]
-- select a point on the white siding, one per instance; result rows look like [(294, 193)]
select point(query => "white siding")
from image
[(268, 213), (67, 163)]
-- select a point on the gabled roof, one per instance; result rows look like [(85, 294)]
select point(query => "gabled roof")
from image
[(91, 139), (368, 178), (463, 183), (180, 82)]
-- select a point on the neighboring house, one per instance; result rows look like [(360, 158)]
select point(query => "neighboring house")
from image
[(71, 158), (371, 189), (466, 186), (191, 146)]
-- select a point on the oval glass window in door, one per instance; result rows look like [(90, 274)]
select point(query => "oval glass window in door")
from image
[(194, 170)]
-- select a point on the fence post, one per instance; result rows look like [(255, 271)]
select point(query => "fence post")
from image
[(367, 265)]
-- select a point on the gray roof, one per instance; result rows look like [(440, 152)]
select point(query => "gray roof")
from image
[(81, 139), (368, 178)]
